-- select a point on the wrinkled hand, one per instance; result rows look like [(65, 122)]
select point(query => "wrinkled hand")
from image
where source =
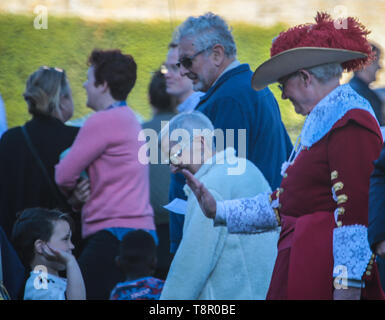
[(80, 194), (347, 294), (56, 255), (204, 197), (380, 249)]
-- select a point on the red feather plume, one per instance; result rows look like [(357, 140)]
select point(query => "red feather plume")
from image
[(324, 34)]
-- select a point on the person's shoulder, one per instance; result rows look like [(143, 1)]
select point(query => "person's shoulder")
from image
[(357, 118), (155, 281), (11, 133), (41, 286), (236, 80), (71, 130), (111, 118), (156, 121), (227, 177), (239, 89), (240, 172), (12, 139)]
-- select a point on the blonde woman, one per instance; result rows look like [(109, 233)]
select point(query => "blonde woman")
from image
[(29, 153)]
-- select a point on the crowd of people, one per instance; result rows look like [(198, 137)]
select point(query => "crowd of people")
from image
[(236, 212)]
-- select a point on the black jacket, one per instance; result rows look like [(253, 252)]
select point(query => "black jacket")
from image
[(22, 184)]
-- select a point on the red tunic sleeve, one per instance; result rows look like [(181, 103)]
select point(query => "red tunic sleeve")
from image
[(352, 148), (353, 145)]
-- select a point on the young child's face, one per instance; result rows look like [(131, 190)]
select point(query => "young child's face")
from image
[(61, 240)]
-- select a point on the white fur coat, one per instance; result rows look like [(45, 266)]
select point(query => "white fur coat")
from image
[(211, 263)]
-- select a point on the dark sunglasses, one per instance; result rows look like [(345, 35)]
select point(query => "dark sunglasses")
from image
[(284, 79), (52, 68), (59, 70), (187, 62)]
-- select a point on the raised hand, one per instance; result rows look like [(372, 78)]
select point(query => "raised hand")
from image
[(204, 197), (56, 254), (80, 194), (75, 284)]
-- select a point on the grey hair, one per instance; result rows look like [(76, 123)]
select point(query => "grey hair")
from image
[(325, 72), (206, 31), (191, 122)]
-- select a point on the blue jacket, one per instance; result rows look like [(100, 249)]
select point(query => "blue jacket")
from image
[(231, 103), (376, 227), (14, 274)]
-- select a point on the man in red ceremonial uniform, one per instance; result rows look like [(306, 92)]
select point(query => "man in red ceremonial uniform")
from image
[(322, 203)]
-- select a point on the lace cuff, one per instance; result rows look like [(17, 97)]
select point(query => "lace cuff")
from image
[(248, 215), (220, 216), (351, 250)]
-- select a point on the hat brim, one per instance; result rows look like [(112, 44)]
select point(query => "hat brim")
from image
[(292, 60)]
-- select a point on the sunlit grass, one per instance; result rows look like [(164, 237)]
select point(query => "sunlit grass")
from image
[(68, 41)]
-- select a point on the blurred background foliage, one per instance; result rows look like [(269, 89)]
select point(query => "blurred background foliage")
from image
[(68, 42)]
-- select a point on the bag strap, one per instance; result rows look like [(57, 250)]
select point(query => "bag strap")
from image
[(42, 167)]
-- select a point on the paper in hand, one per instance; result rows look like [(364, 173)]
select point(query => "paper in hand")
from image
[(177, 206)]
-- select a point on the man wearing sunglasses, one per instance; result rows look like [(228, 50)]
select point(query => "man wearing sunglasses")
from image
[(207, 56)]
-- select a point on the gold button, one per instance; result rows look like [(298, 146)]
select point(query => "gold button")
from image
[(285, 175), (370, 267), (342, 198), (334, 175), (338, 186), (368, 273), (339, 223)]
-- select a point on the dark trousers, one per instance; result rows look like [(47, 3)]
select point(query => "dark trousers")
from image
[(97, 263), (164, 256)]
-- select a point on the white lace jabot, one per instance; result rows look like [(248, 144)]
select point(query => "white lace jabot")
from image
[(329, 110), (324, 116)]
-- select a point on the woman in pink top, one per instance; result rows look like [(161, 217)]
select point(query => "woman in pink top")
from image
[(107, 148)]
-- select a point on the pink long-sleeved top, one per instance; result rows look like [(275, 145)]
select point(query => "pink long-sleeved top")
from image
[(107, 147)]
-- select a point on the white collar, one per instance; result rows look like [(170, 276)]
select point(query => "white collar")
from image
[(330, 110), (325, 115)]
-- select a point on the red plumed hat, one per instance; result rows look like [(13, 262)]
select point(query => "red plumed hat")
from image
[(309, 45)]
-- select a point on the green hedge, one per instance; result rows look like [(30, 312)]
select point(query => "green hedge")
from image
[(68, 41)]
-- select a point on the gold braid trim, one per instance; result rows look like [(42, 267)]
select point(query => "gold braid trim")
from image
[(277, 216)]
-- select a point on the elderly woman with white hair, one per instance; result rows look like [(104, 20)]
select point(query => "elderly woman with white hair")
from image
[(322, 203), (210, 263)]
